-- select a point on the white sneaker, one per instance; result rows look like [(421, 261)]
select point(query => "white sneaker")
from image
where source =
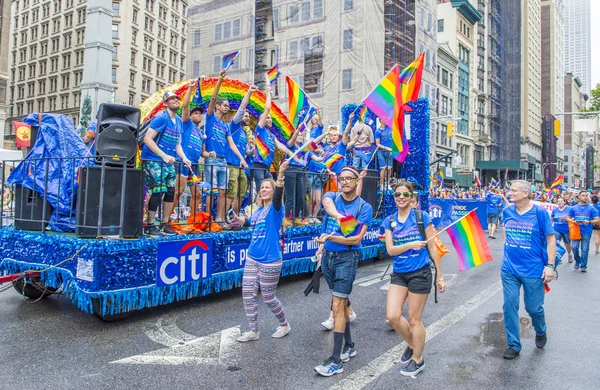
[(352, 316), (248, 336), (281, 331), (328, 324)]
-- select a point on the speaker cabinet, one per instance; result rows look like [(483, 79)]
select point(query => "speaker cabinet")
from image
[(29, 209), (369, 188), (88, 209), (118, 127)]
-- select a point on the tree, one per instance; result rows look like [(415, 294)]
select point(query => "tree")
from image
[(86, 111), (594, 101)]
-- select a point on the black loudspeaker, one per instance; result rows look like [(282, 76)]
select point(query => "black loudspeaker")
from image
[(369, 189), (118, 127), (29, 209), (33, 135), (88, 209)]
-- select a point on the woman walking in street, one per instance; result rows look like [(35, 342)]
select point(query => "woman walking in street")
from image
[(263, 263), (412, 277), (561, 227)]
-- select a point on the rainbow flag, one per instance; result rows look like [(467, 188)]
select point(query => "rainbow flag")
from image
[(363, 114), (381, 100), (505, 175), (382, 238), (399, 140), (477, 181), (333, 159), (559, 180), (272, 74), (228, 59), (297, 101), (546, 188), (493, 182), (470, 243), (309, 147), (410, 79), (261, 147), (441, 177), (349, 225)]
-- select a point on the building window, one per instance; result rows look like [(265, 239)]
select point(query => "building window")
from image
[(114, 53), (134, 16), (348, 44), (346, 79), (348, 5), (197, 37), (131, 99), (293, 51), (114, 75), (216, 64), (115, 31), (276, 19), (115, 7)]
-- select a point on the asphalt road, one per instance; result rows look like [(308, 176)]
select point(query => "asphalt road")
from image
[(51, 344)]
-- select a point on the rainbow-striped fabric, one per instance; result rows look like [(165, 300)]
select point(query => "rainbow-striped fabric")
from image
[(297, 100), (469, 241)]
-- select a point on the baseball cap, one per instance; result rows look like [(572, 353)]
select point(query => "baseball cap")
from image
[(167, 95)]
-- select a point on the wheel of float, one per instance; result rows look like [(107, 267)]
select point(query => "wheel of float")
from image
[(96, 303), (33, 289)]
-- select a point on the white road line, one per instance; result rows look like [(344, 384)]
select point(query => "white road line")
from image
[(385, 286), (373, 370), (373, 281)]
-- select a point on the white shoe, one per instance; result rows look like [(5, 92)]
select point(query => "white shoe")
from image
[(281, 331), (248, 336), (328, 324), (352, 316)]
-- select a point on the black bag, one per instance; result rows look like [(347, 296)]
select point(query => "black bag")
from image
[(421, 225)]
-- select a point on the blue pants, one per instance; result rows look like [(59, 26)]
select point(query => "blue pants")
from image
[(584, 243), (533, 290)]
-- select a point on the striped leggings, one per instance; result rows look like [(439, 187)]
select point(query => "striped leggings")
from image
[(266, 276)]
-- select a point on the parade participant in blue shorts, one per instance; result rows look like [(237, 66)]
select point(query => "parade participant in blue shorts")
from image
[(493, 203), (584, 215), (561, 227), (340, 261), (383, 139)]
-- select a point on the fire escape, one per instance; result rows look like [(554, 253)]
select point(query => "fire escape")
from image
[(494, 72), (263, 36)]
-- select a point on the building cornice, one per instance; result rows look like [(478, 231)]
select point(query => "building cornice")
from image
[(467, 10)]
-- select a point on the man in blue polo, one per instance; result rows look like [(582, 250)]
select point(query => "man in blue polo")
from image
[(584, 215)]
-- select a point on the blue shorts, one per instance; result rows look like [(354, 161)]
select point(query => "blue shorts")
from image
[(316, 181), (562, 236), (339, 270), (492, 218), (215, 172), (384, 159), (188, 174)]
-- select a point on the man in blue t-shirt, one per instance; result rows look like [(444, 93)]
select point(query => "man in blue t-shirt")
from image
[(340, 261), (161, 143), (494, 202), (383, 139), (528, 261), (584, 215)]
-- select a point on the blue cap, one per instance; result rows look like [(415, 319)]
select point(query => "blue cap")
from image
[(167, 95)]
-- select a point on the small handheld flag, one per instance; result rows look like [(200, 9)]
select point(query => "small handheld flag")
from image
[(559, 179), (197, 100), (349, 225), (469, 241), (363, 114), (228, 59), (273, 74), (477, 181)]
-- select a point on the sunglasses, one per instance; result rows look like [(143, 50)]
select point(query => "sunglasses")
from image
[(402, 194)]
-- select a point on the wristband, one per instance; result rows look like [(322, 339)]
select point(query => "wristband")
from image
[(550, 266), (221, 77), (159, 153)]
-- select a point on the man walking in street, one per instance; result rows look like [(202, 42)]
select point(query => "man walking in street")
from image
[(584, 215), (529, 255), (340, 261)]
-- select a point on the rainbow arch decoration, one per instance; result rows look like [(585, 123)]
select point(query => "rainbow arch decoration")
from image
[(233, 91)]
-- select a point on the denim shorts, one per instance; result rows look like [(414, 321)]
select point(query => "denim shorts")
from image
[(492, 218), (562, 236), (215, 172), (316, 181), (384, 159), (339, 270)]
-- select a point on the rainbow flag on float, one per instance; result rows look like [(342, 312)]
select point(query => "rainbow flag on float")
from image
[(470, 242), (273, 74), (261, 147), (333, 159), (297, 100)]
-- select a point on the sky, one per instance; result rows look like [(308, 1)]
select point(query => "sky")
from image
[(595, 42)]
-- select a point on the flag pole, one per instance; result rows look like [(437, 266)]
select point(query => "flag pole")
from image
[(449, 226)]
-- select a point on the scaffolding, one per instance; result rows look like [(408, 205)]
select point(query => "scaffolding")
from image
[(399, 33), (498, 145), (263, 20)]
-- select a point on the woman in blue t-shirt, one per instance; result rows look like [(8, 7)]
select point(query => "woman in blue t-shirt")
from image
[(561, 226), (264, 259), (412, 277)]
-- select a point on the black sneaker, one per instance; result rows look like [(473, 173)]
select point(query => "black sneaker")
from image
[(584, 270), (540, 341), (511, 353), (412, 369), (166, 229), (407, 355), (152, 231)]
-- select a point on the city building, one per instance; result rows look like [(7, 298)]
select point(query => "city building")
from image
[(46, 53), (574, 145), (578, 41), (4, 74), (334, 50), (552, 32), (494, 80)]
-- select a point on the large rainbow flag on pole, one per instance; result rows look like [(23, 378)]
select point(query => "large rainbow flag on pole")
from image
[(297, 100), (559, 180), (469, 240), (381, 100), (410, 78)]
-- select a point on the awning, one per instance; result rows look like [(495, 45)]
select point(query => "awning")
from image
[(513, 165)]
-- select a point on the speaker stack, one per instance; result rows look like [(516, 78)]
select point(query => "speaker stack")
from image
[(369, 188), (116, 145)]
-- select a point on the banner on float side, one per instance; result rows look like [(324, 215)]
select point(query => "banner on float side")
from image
[(547, 206), (183, 261), (444, 212), (294, 248)]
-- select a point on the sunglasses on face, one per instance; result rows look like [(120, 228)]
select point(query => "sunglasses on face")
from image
[(402, 194)]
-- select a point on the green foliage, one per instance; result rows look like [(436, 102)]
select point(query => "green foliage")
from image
[(86, 111)]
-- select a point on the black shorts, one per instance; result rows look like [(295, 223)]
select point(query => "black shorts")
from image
[(417, 282)]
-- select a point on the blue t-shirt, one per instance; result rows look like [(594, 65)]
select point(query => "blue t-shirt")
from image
[(168, 137), (216, 135), (264, 244), (240, 139), (192, 140), (330, 150), (269, 140), (404, 233), (583, 213), (560, 219), (331, 225), (316, 131), (384, 136), (525, 253), (301, 159), (493, 201)]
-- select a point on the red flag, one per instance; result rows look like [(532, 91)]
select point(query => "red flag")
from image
[(22, 134)]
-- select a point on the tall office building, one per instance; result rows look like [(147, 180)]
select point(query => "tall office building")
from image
[(577, 41), (4, 79), (46, 53)]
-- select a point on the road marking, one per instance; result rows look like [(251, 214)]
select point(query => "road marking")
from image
[(378, 366), (166, 332)]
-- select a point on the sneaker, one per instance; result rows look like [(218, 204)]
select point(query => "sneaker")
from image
[(540, 341), (248, 336), (597, 253), (407, 355), (329, 368), (511, 353), (352, 316), (166, 229), (300, 222), (570, 258), (576, 266), (387, 322), (328, 324), (287, 222), (152, 231), (316, 221), (281, 331), (348, 352), (412, 369), (584, 270)]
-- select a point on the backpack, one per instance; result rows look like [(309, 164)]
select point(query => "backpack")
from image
[(142, 132), (544, 242), (421, 225), (337, 197)]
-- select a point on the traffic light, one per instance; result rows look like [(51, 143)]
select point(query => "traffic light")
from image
[(556, 128), (450, 130)]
